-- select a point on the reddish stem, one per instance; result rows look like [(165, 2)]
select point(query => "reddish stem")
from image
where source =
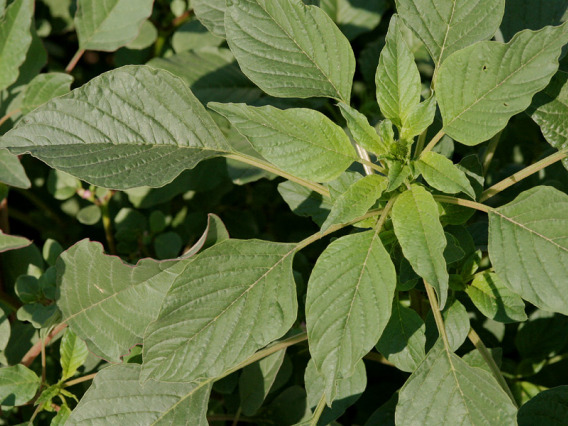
[(35, 350)]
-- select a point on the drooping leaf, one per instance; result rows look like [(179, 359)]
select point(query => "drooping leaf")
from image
[(528, 246), (446, 26), (117, 394), (348, 304), (549, 109), (212, 318), (444, 389), (417, 226), (97, 290), (18, 384), (496, 81), (305, 202), (356, 200), (495, 300), (129, 127), (211, 13), (301, 141), (289, 49), (43, 88), (256, 380), (15, 39), (348, 391), (365, 135), (74, 352), (355, 17), (443, 175), (108, 25), (532, 15), (403, 342), (549, 407), (12, 242), (397, 78)]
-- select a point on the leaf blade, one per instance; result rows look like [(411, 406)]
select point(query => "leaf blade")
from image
[(443, 175)]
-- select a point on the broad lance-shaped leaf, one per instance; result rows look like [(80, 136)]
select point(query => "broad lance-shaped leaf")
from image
[(403, 342), (446, 26), (233, 299), (97, 290), (356, 201), (495, 300), (348, 304), (445, 390), (43, 88), (11, 171), (417, 226), (397, 78), (110, 24), (549, 407), (528, 246), (443, 175), (15, 39), (289, 49), (496, 81), (12, 242), (18, 385), (301, 141), (129, 127), (116, 393), (74, 352), (363, 133), (549, 109)]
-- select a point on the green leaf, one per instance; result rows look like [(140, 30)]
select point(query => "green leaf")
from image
[(348, 304), (419, 118), (533, 343), (443, 175), (495, 300), (89, 215), (528, 246), (256, 380), (305, 202), (193, 35), (365, 135), (496, 81), (145, 38), (549, 109), (446, 26), (549, 407), (12, 242), (212, 75), (18, 384), (43, 88), (532, 15), (11, 171), (117, 394), (398, 173), (97, 290), (417, 226), (300, 141), (15, 39), (114, 140), (39, 315), (5, 330), (355, 17), (211, 13), (444, 388), (232, 299), (348, 392), (356, 200), (110, 24), (403, 342), (456, 322), (397, 78), (61, 417), (74, 352), (289, 49)]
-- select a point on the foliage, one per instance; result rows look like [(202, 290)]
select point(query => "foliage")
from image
[(285, 212)]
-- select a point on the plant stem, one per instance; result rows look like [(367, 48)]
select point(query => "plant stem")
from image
[(43, 365), (35, 350), (526, 172), (420, 143), (461, 202), (257, 162), (434, 141), (372, 166), (237, 416), (377, 357), (480, 346), (8, 115), (107, 225), (364, 155), (74, 60), (80, 380), (437, 315), (4, 222), (318, 411), (490, 152)]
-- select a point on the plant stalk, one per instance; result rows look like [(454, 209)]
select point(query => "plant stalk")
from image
[(433, 142), (74, 60), (490, 152), (520, 175), (80, 380), (35, 350), (9, 115), (437, 315), (495, 370), (319, 409), (420, 144), (461, 202)]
